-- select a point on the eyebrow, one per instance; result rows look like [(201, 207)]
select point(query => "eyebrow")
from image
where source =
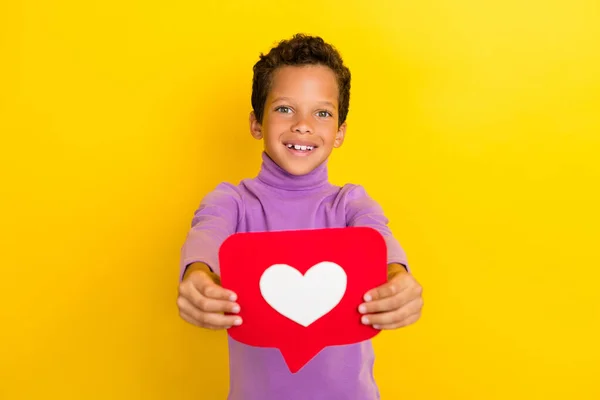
[(325, 102)]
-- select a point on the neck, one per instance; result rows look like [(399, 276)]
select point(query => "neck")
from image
[(273, 175)]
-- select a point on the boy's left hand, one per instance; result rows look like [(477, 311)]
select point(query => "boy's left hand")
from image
[(395, 304)]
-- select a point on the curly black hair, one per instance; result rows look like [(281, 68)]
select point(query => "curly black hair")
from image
[(299, 50)]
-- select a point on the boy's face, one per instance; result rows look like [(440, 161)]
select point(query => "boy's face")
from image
[(300, 119)]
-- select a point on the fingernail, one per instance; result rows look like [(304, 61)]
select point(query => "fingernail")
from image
[(376, 326), (237, 322), (235, 309), (233, 297), (368, 297), (365, 320), (362, 309)]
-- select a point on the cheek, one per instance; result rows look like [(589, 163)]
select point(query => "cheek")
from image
[(276, 124), (330, 132)]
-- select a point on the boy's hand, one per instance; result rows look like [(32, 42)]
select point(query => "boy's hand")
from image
[(202, 301), (395, 304)]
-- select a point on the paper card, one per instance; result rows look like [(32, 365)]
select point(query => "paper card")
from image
[(299, 291)]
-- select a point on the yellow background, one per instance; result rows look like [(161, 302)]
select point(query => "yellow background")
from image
[(116, 117)]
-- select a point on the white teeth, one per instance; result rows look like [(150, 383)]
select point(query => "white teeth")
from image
[(299, 147)]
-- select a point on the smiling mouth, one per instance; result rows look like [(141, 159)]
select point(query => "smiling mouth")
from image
[(298, 147)]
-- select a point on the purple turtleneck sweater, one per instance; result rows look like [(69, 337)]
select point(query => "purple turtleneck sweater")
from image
[(277, 200)]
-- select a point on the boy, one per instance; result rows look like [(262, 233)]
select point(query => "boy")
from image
[(300, 98)]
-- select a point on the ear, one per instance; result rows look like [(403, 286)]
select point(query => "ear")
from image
[(255, 127), (340, 135)]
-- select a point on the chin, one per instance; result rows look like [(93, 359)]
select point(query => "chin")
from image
[(299, 171), (294, 164), (297, 167)]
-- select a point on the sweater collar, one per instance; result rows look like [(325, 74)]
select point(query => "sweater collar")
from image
[(273, 175)]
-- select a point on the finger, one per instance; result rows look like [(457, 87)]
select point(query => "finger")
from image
[(220, 320), (395, 316), (207, 319), (208, 288), (200, 303), (193, 321), (188, 312), (388, 289), (386, 304), (406, 322)]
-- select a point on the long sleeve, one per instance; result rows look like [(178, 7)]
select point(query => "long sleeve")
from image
[(362, 210), (214, 221)]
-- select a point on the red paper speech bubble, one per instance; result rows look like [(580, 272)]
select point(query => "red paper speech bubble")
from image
[(281, 278)]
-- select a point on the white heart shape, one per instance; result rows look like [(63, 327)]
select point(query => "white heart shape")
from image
[(303, 298)]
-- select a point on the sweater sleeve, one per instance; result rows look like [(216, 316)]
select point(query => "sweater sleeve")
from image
[(214, 221), (362, 210)]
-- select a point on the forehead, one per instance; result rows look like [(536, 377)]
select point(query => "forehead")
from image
[(307, 82)]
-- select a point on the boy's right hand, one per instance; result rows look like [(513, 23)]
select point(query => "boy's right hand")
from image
[(202, 301)]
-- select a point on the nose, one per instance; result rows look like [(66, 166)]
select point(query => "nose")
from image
[(301, 125)]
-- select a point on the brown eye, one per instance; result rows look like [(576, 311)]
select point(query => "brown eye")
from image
[(283, 109), (324, 114)]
